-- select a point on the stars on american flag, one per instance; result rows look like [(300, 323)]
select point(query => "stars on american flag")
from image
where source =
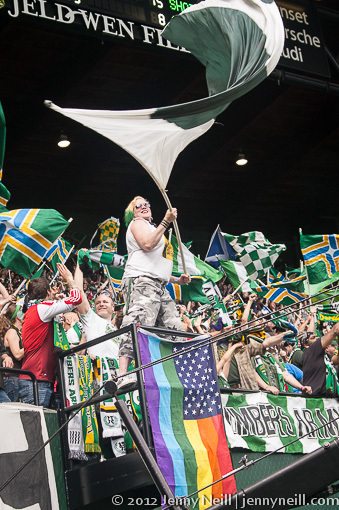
[(197, 374)]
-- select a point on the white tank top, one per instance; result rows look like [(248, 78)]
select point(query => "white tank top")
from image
[(156, 263)]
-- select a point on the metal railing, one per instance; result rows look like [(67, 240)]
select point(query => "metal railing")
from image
[(133, 330), (30, 374)]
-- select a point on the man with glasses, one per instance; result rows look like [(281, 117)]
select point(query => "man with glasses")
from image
[(97, 323), (147, 272)]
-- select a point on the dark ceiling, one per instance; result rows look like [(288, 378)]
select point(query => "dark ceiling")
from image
[(289, 133)]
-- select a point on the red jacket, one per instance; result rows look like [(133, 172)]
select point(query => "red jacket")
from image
[(38, 336)]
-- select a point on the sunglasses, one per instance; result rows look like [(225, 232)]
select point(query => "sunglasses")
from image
[(145, 204)]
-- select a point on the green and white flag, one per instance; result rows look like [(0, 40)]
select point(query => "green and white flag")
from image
[(255, 252), (194, 265), (237, 274), (263, 422), (241, 45), (98, 257)]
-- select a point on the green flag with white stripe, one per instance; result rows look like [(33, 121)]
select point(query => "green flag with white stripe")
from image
[(194, 265), (237, 274)]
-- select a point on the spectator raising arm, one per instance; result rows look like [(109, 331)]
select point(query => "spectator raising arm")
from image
[(247, 310), (79, 281), (328, 339), (225, 361)]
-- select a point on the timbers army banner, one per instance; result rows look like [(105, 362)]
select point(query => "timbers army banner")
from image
[(262, 422), (23, 431)]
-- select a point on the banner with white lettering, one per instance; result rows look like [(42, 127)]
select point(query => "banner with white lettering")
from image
[(262, 422)]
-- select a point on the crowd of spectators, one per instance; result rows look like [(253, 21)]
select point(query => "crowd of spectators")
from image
[(257, 352)]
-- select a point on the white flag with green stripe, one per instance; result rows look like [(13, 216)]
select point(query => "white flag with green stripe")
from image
[(239, 42), (262, 422)]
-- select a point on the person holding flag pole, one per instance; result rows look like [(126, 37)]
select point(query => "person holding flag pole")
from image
[(147, 272)]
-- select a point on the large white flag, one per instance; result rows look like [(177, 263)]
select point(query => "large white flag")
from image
[(238, 41)]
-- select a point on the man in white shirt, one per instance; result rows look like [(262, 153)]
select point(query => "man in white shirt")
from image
[(98, 323)]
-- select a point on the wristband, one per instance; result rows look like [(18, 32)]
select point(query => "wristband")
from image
[(302, 388), (266, 387), (164, 223)]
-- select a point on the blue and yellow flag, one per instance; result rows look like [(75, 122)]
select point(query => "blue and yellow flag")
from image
[(26, 235), (321, 256)]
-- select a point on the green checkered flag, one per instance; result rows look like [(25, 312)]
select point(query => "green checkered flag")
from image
[(255, 252)]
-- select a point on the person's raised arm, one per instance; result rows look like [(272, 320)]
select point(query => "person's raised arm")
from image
[(311, 324), (275, 340), (78, 283), (248, 306), (329, 337), (225, 362), (148, 240), (183, 279)]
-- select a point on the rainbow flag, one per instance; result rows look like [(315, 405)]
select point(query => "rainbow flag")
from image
[(185, 412)]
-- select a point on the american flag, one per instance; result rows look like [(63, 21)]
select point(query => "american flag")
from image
[(197, 373)]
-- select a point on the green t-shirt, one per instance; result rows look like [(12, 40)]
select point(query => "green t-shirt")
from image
[(233, 374), (271, 371), (296, 358)]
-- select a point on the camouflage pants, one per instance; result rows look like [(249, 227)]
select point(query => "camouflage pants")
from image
[(148, 303)]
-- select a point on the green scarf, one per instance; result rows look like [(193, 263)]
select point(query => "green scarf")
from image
[(60, 337), (268, 377), (332, 383), (89, 420)]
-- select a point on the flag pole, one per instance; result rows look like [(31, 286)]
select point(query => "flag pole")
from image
[(111, 283), (236, 290), (68, 254), (63, 262), (176, 229), (22, 284), (307, 278)]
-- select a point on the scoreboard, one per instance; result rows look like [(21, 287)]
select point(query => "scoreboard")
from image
[(153, 12)]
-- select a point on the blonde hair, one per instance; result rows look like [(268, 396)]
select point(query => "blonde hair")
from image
[(129, 214)]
